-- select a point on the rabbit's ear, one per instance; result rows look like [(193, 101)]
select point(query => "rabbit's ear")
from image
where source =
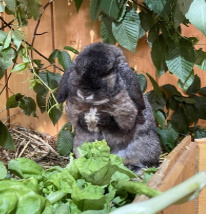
[(63, 89), (133, 86)]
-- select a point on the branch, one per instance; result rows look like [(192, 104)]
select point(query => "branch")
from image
[(37, 25), (34, 49)]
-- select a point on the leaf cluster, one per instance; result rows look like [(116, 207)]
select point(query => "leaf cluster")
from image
[(96, 182)]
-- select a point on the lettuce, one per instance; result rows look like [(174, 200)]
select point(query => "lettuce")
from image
[(93, 183)]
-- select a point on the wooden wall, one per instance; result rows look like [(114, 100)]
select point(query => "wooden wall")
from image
[(67, 27)]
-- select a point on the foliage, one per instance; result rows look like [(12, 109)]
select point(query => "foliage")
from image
[(96, 182), (177, 109)]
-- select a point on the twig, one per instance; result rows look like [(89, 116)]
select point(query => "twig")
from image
[(34, 49), (7, 81), (37, 25), (38, 139)]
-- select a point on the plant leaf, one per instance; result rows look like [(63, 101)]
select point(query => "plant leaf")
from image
[(17, 38), (180, 59), (158, 55), (78, 4), (195, 86), (31, 7), (64, 59), (157, 6), (106, 30), (14, 100), (142, 81), (201, 59), (129, 30), (6, 140), (6, 60), (112, 8), (28, 105), (196, 15), (54, 111), (2, 8), (94, 9), (69, 48), (65, 139), (3, 171), (168, 137)]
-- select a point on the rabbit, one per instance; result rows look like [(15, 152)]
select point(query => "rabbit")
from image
[(104, 101)]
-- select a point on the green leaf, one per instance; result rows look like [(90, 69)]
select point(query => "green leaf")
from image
[(25, 168), (7, 41), (180, 122), (158, 55), (17, 38), (168, 137), (53, 79), (2, 8), (11, 5), (65, 139), (3, 36), (106, 30), (64, 59), (54, 110), (157, 6), (6, 60), (195, 86), (147, 20), (55, 53), (160, 118), (28, 105), (196, 15), (78, 4), (171, 90), (41, 91), (200, 105), (189, 80), (142, 81), (20, 67), (201, 59), (31, 7), (14, 100), (94, 9), (112, 8), (6, 140), (3, 171), (153, 34), (199, 132), (69, 48), (129, 30), (202, 91), (180, 59)]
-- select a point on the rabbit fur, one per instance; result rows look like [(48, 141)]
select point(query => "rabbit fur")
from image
[(104, 101)]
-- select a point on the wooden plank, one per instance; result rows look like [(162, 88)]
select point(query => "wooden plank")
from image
[(202, 167), (179, 165)]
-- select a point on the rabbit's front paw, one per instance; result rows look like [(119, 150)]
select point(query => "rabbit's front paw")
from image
[(92, 119)]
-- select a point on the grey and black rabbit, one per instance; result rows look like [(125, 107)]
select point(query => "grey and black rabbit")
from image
[(104, 101)]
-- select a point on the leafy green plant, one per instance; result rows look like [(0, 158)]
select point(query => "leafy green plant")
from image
[(95, 182), (176, 109)]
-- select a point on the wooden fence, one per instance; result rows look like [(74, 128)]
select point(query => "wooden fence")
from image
[(64, 26)]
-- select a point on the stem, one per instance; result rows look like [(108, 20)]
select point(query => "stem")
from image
[(136, 188), (186, 191)]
